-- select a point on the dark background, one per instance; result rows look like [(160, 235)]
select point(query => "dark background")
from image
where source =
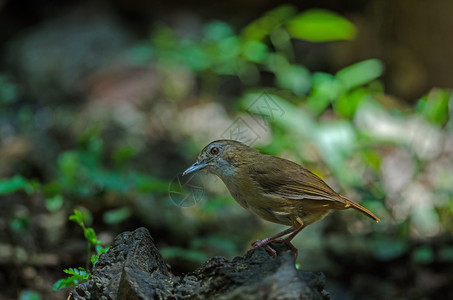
[(104, 103)]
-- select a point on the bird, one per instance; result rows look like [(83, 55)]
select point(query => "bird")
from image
[(275, 189)]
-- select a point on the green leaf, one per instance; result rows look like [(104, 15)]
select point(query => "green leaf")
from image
[(90, 236), (99, 251), (360, 73), (318, 25), (17, 183), (77, 217), (434, 106), (61, 283), (94, 259), (77, 272), (78, 276)]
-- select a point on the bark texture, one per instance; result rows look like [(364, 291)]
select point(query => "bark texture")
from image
[(134, 269)]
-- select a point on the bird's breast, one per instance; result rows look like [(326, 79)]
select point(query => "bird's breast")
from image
[(251, 197), (239, 193)]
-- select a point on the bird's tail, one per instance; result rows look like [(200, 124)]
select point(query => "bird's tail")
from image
[(360, 208)]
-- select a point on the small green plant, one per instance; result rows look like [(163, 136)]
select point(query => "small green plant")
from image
[(79, 275)]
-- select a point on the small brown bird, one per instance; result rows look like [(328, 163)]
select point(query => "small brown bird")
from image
[(276, 189)]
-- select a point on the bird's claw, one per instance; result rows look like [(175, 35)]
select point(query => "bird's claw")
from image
[(271, 251), (289, 244), (262, 243), (265, 244)]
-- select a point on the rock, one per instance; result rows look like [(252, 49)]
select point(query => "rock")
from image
[(134, 269)]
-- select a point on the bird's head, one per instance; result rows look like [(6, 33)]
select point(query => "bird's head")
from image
[(222, 158)]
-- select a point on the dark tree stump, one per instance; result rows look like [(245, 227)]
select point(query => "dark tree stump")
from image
[(134, 269)]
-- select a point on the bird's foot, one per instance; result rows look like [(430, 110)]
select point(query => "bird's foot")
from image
[(265, 244), (289, 244), (292, 231)]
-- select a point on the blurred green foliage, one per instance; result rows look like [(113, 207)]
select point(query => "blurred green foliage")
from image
[(16, 183), (8, 90), (262, 46), (29, 295), (82, 174)]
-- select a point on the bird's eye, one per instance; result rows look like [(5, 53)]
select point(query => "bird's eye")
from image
[(214, 151)]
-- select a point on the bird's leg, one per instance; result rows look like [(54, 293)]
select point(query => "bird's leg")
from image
[(265, 242), (287, 240), (293, 231)]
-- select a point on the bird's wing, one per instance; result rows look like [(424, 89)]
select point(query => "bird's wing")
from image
[(288, 179)]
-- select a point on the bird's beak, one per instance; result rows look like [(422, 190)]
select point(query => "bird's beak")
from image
[(195, 167)]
